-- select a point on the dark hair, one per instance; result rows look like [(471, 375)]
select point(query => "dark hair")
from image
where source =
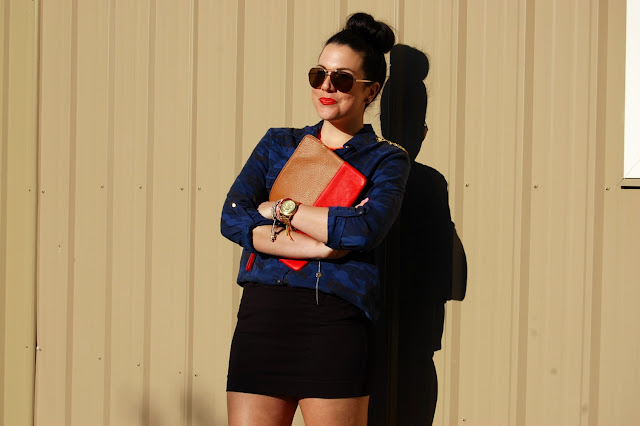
[(372, 39)]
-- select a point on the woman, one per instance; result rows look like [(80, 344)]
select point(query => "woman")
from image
[(302, 336)]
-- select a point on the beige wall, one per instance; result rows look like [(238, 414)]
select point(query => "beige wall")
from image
[(18, 187), (147, 111)]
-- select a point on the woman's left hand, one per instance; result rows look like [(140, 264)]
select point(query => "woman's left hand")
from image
[(363, 202)]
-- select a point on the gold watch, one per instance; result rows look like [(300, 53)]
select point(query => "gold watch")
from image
[(287, 209)]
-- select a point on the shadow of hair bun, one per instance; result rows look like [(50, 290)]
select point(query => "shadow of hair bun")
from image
[(379, 34)]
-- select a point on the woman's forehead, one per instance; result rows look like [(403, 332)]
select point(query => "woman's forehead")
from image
[(340, 57)]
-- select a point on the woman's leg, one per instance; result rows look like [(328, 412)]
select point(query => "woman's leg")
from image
[(335, 412), (247, 409)]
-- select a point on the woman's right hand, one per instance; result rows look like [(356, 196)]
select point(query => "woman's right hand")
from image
[(265, 209)]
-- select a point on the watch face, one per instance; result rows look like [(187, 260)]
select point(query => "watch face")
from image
[(288, 207)]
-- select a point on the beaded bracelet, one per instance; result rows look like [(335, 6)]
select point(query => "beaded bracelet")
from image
[(274, 215)]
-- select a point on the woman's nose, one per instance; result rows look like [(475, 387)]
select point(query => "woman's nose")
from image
[(326, 84)]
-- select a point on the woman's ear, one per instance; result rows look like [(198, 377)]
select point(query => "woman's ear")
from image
[(373, 90)]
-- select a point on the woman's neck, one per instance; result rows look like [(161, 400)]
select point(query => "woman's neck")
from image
[(335, 137)]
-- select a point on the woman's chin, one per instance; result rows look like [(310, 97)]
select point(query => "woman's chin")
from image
[(326, 115)]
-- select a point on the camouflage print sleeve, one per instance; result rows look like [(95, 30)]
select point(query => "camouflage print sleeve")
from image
[(365, 227), (239, 212)]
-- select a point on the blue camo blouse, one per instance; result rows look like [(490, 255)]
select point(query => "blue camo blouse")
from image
[(353, 277)]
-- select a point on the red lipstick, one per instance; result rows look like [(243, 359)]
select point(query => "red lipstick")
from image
[(327, 101)]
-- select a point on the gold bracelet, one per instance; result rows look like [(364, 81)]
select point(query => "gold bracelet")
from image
[(275, 219)]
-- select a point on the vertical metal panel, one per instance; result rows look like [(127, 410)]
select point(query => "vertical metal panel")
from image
[(149, 185), (557, 280), (53, 212), (264, 91), (128, 64), (109, 222), (490, 141), (5, 18), (214, 288), (18, 145), (619, 348), (433, 28), (169, 228), (522, 210), (89, 121), (594, 180)]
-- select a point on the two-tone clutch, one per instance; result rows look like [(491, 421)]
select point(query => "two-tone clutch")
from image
[(315, 175)]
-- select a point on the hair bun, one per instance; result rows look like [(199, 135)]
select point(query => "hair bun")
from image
[(379, 34)]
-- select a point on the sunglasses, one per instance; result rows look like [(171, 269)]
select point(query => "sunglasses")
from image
[(341, 80)]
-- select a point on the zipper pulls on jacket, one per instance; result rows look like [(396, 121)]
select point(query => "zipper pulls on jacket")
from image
[(318, 275)]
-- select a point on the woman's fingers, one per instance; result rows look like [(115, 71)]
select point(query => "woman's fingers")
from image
[(363, 202)]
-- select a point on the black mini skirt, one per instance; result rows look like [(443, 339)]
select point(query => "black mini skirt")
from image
[(287, 345)]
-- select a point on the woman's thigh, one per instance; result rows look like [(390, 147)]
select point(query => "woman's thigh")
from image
[(246, 409), (335, 412)]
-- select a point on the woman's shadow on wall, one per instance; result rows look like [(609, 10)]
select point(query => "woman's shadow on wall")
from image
[(422, 262)]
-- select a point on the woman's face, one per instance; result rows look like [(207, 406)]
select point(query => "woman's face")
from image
[(342, 109)]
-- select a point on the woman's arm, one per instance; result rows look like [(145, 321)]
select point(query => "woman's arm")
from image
[(308, 219), (299, 246)]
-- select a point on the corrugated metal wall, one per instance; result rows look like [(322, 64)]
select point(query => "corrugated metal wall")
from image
[(18, 203), (147, 111)]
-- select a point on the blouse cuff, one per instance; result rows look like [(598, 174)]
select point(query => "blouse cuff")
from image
[(337, 220), (251, 219)]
